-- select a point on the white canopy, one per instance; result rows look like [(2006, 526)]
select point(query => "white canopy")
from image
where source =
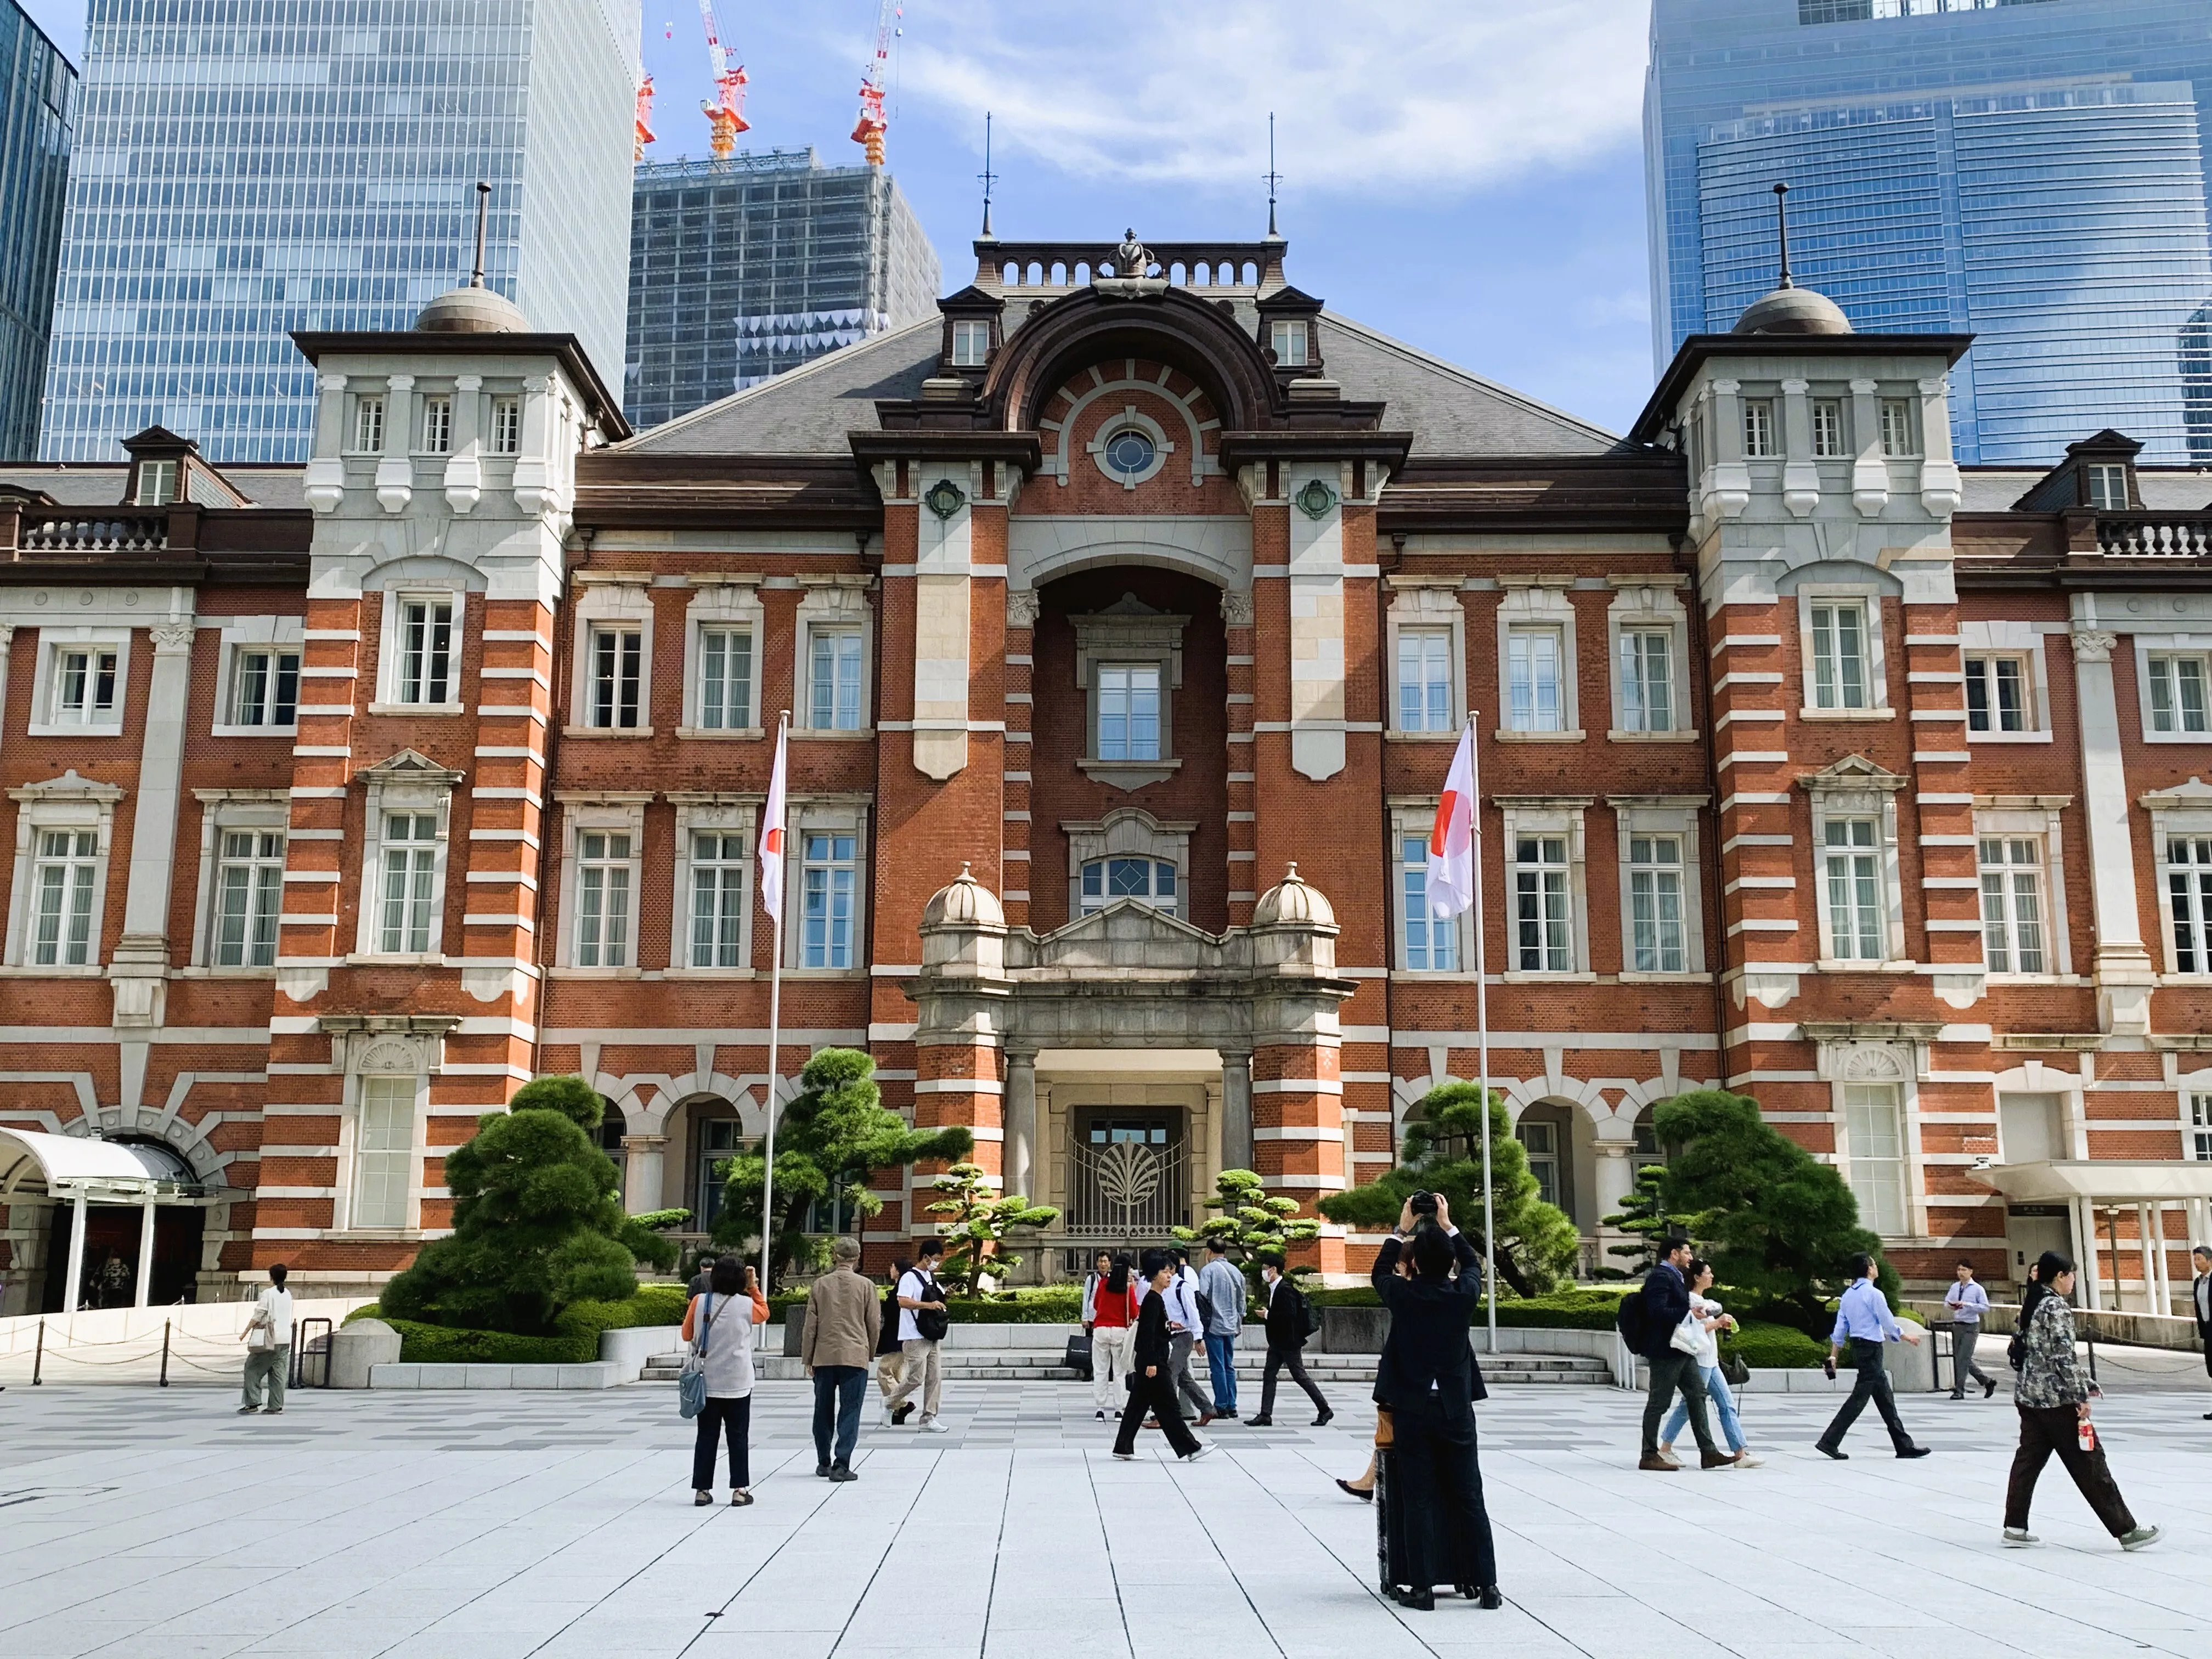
[(36, 1165), (2102, 1181)]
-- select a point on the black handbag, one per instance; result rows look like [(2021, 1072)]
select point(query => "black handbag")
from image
[(1077, 1357)]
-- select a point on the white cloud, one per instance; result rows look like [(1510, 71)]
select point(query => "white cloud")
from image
[(1376, 98)]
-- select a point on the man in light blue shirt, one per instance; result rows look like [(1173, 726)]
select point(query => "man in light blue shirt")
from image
[(1865, 1322), (1967, 1302), (1222, 1284)]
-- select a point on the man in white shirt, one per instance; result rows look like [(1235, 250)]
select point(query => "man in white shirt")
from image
[(268, 1338), (1186, 1329), (1967, 1303), (918, 1293)]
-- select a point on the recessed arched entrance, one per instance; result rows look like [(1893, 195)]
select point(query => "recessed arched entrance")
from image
[(99, 1222)]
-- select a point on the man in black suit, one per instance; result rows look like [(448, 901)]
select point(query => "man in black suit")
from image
[(1665, 1304), (1426, 1381), (2200, 1303)]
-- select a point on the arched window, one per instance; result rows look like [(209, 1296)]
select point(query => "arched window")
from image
[(1152, 881)]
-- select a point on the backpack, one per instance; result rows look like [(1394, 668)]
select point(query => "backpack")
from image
[(930, 1325), (1628, 1318)]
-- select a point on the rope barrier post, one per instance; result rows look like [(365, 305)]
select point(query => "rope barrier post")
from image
[(164, 1353), (39, 1358)]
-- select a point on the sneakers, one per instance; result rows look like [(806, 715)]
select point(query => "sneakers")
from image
[(838, 1473), (1125, 1457), (248, 1411), (700, 1500), (931, 1426), (1100, 1416), (1657, 1465), (1205, 1449), (2141, 1539), (1744, 1460), (900, 1416), (821, 1471), (2020, 1538), (886, 1421), (739, 1499)]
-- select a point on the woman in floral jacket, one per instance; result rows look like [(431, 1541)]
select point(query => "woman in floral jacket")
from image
[(2052, 1397)]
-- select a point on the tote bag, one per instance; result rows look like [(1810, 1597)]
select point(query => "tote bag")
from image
[(692, 1381)]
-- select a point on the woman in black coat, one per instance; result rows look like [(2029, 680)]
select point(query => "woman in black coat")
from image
[(1151, 1383)]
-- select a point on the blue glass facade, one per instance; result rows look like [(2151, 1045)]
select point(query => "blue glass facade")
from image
[(37, 110), (2030, 172), (248, 167)]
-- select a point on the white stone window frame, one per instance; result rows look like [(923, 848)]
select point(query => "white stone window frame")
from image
[(2039, 818), (966, 330), (1870, 596), (731, 603), (230, 811), (1561, 815), (607, 813), (719, 814), (1136, 638), (1414, 818), (1128, 832), (823, 814), (832, 602), (1874, 797), (366, 391), (2187, 1086), (1112, 426), (1649, 603), (1432, 606), (382, 1055), (397, 597), (2035, 1078), (1675, 816), (242, 634), (45, 689), (1540, 602), (2013, 639), (2183, 811), (2170, 645), (68, 802), (1066, 410), (426, 393), (617, 601), (431, 792), (1898, 1065)]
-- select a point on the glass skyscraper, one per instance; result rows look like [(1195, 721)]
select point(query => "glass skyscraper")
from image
[(38, 108), (745, 267), (2032, 172), (248, 167)]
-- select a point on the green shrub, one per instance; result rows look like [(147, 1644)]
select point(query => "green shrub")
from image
[(1772, 1347), (575, 1340)]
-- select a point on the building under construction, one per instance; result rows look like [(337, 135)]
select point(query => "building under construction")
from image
[(743, 266)]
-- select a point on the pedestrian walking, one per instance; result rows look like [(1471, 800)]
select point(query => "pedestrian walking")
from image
[(1968, 1304), (1701, 1329), (1427, 1379), (1289, 1322), (891, 1353), (2200, 1303), (923, 1322), (1660, 1308), (268, 1338), (703, 1280), (1151, 1387), (1865, 1322), (2052, 1398), (719, 1324), (1186, 1329), (1222, 1284), (1112, 1311), (843, 1320)]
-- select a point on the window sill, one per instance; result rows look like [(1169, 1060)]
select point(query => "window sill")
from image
[(2068, 982), (374, 1235), (48, 729), (854, 974), (604, 731), (1974, 737), (1520, 977), (54, 970), (567, 971), (1503, 736), (253, 732), (831, 734), (1130, 774), (1397, 735), (2148, 736), (416, 708), (1622, 735), (1687, 976), (396, 959), (1900, 966), (1848, 713), (203, 971), (682, 973), (723, 733)]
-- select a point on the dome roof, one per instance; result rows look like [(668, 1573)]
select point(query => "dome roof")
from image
[(1793, 310), (966, 903), (1291, 903), (473, 309)]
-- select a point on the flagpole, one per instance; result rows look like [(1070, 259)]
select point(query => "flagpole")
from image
[(775, 1028), (1482, 1048)]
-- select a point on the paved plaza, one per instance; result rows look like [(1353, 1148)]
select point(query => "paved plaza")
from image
[(497, 1526)]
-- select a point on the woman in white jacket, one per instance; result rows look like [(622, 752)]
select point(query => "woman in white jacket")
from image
[(1695, 1336), (718, 1326)]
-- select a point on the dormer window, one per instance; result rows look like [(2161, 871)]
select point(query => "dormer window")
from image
[(971, 343), (157, 484), (2108, 487), (1288, 340)]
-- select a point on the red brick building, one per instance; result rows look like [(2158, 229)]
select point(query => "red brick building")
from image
[(1126, 616)]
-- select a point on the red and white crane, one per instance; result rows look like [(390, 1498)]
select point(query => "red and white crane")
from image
[(644, 118), (725, 116), (868, 132)]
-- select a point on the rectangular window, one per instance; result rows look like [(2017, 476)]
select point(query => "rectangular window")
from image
[(1839, 655), (438, 425), (2177, 694), (426, 652), (1540, 1141), (1535, 658), (835, 679), (617, 668), (602, 899), (971, 344), (264, 688), (1543, 938), (85, 684), (1828, 428), (1996, 694), (1897, 427), (368, 425), (826, 916), (1128, 711), (2200, 1129), (61, 928), (2108, 489), (1431, 942), (2011, 905), (249, 896), (725, 679), (2188, 899), (1657, 935), (719, 862), (506, 426), (1758, 427), (411, 862), (720, 1140), (1856, 926), (1289, 341), (1149, 881), (157, 482), (1647, 679), (1874, 1120), (1424, 679), (383, 1163)]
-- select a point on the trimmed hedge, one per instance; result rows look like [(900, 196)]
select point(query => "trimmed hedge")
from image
[(575, 1339), (1773, 1348)]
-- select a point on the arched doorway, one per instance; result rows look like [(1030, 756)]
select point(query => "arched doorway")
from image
[(126, 1215)]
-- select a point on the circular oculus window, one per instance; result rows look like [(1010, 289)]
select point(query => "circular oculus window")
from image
[(1129, 452)]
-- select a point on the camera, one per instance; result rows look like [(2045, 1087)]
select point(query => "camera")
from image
[(1423, 1203)]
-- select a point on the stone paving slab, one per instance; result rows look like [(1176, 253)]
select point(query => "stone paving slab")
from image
[(559, 1525)]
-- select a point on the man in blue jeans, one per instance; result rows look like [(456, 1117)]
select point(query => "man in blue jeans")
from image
[(838, 1338), (1223, 1286)]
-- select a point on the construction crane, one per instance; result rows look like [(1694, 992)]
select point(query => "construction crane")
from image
[(725, 116), (644, 118), (868, 132)]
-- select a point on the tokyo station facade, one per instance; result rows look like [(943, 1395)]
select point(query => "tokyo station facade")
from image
[(1126, 615)]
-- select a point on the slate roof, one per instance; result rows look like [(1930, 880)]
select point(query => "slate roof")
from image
[(99, 484), (1448, 411), (1995, 489)]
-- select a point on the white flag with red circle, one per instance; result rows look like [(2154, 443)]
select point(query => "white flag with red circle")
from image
[(772, 836), (1451, 839)]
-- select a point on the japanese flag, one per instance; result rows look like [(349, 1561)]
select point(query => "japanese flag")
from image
[(1451, 841), (772, 836)]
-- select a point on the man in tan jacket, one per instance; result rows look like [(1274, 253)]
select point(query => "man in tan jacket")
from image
[(843, 1320)]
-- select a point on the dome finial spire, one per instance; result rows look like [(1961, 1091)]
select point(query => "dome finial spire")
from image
[(483, 205), (1781, 230)]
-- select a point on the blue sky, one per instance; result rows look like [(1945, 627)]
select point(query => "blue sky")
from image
[(1464, 174)]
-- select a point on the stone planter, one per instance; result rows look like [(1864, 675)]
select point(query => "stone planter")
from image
[(1353, 1330)]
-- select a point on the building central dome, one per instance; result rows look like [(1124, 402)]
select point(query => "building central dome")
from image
[(1793, 310), (473, 309)]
